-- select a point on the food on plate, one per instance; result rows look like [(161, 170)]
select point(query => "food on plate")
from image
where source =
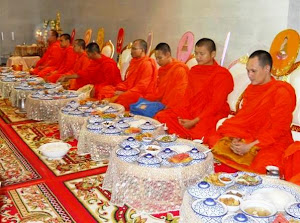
[(132, 130), (227, 179), (150, 148), (140, 137), (180, 158), (166, 139), (214, 179), (108, 116), (230, 201), (234, 193), (248, 180), (127, 115), (258, 211)]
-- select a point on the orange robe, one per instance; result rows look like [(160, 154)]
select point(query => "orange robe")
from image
[(66, 66), (52, 57), (266, 115), (291, 160), (206, 98), (141, 78), (100, 72), (171, 84)]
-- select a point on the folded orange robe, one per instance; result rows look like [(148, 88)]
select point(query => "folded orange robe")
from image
[(291, 160), (100, 72), (266, 115), (66, 65), (206, 98), (52, 57), (141, 78), (171, 84)]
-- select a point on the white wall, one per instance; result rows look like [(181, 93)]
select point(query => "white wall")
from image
[(253, 23)]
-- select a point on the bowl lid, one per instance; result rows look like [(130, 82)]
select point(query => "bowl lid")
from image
[(293, 209), (111, 110), (128, 151), (166, 153), (205, 190), (130, 141), (238, 218), (95, 126), (111, 130), (196, 154), (149, 159), (209, 207), (95, 119), (122, 124), (147, 126)]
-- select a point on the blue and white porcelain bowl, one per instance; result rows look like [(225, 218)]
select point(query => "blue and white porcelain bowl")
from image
[(293, 210), (166, 153), (95, 126), (196, 154), (95, 119), (130, 141), (147, 126), (122, 124), (251, 207), (240, 179), (128, 151), (73, 104), (166, 140), (67, 108), (209, 210), (205, 190), (111, 130), (148, 159), (27, 88), (128, 159), (195, 162), (147, 140), (127, 117), (76, 112), (110, 110), (166, 163), (238, 218)]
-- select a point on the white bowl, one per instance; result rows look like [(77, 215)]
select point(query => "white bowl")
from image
[(262, 205), (226, 178), (55, 150), (231, 208), (153, 149)]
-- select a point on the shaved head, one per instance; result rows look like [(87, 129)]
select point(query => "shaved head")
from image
[(93, 48), (164, 47), (263, 57), (81, 43), (142, 43), (66, 36), (208, 43)]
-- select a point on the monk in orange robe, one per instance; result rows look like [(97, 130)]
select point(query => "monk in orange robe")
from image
[(81, 63), (291, 159), (172, 78), (259, 133), (67, 62), (53, 55), (140, 79), (205, 101), (101, 71)]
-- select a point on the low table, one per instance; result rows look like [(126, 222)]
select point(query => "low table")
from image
[(153, 190)]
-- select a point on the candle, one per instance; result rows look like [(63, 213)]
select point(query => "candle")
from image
[(2, 37), (12, 35), (225, 48)]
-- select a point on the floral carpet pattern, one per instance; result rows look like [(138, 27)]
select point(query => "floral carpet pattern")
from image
[(8, 113), (38, 133), (34, 203), (96, 200), (14, 168)]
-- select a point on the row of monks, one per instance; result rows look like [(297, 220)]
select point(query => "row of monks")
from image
[(195, 100)]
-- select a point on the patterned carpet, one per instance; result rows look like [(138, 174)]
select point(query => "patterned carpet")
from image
[(34, 203), (14, 168), (8, 113), (38, 133), (96, 200)]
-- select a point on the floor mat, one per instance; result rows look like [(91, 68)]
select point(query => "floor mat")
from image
[(35, 203), (14, 168), (8, 114), (39, 133), (96, 201)]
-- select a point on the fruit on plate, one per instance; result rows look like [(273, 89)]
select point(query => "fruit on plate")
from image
[(180, 158)]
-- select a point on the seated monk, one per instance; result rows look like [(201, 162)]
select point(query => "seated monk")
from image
[(260, 131), (67, 62), (82, 62), (52, 56), (140, 78), (205, 100), (70, 57), (101, 71), (172, 78)]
